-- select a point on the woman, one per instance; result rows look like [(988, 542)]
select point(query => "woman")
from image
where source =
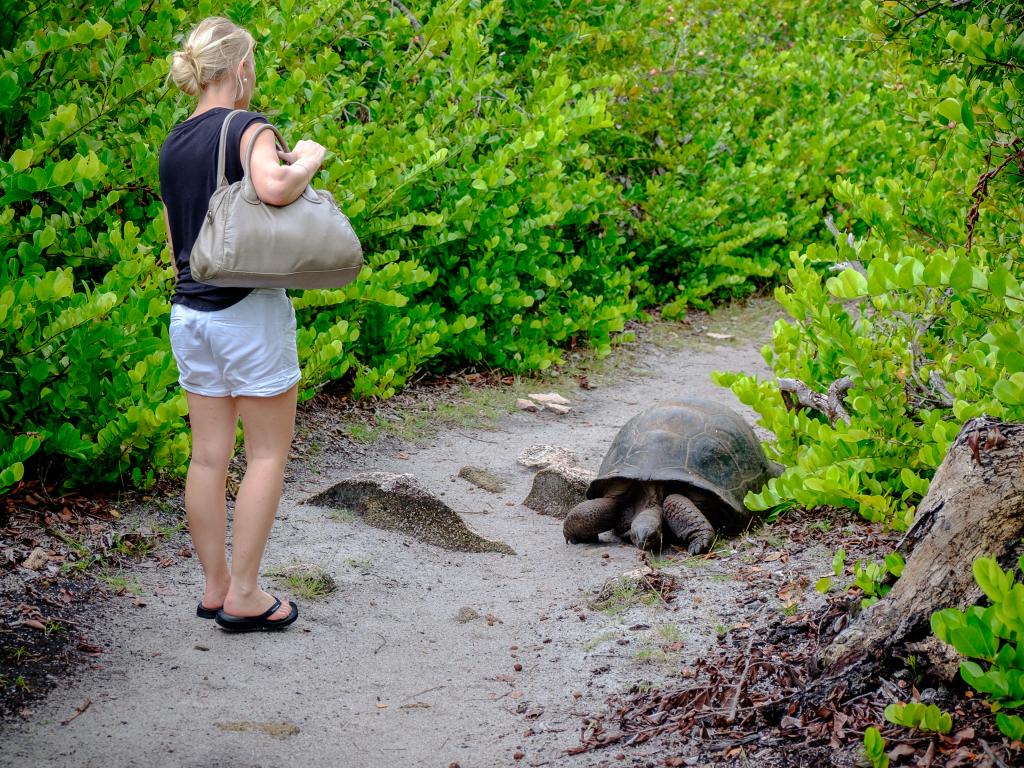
[(234, 347)]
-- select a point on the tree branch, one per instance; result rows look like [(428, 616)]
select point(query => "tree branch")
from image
[(830, 404)]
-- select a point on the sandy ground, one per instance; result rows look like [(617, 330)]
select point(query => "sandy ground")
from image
[(385, 671)]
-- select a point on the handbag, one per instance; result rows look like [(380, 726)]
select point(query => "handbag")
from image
[(246, 243)]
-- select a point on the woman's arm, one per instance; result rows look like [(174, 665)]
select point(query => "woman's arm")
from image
[(278, 184), (170, 242)]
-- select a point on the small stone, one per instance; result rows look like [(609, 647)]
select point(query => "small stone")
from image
[(720, 336), (518, 755), (526, 405), (199, 647), (546, 398), (577, 695), (517, 667), (540, 456), (37, 558), (466, 615), (561, 410), (481, 478)]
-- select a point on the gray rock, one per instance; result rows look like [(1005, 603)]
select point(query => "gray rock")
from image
[(540, 456), (558, 488), (399, 503), (481, 478), (466, 614)]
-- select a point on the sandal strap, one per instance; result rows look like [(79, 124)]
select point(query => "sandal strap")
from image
[(269, 612)]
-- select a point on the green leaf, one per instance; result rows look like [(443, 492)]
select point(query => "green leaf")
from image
[(993, 580), (967, 115), (950, 109), (21, 159)]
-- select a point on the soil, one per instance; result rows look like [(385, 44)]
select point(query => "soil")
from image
[(426, 657)]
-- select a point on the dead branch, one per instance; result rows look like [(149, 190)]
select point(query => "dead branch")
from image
[(981, 189), (397, 4), (830, 404), (934, 390)]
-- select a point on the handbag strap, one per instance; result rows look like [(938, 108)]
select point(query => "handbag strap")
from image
[(222, 179)]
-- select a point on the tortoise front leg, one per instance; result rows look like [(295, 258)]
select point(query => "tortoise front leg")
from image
[(688, 523), (589, 518)]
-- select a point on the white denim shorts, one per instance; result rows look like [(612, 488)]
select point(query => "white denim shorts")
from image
[(247, 349)]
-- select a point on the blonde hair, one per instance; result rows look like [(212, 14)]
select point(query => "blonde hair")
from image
[(212, 52)]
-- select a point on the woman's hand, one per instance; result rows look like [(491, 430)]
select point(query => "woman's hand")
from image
[(306, 153)]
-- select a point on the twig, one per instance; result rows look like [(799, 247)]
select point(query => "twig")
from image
[(80, 710), (478, 439), (428, 690), (383, 642), (995, 758), (731, 716)]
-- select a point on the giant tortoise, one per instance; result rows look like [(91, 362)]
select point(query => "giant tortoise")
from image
[(688, 462)]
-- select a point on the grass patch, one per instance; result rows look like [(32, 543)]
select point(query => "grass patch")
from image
[(119, 582), (596, 642), (341, 515), (309, 582), (619, 595)]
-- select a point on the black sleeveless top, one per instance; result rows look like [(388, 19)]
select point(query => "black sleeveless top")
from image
[(188, 178)]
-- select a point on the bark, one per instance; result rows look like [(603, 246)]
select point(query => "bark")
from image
[(974, 507)]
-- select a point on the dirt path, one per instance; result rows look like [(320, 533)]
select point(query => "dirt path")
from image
[(387, 671)]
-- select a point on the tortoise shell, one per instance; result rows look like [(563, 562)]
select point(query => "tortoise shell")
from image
[(692, 442)]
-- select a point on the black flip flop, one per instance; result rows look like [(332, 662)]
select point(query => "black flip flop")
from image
[(261, 623), (206, 613)]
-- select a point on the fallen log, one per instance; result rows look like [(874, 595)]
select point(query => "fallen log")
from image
[(974, 507)]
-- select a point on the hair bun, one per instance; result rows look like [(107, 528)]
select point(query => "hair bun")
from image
[(185, 72)]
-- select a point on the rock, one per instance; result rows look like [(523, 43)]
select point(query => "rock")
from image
[(466, 614), (558, 488), (545, 398), (399, 503), (37, 558), (526, 405), (561, 410), (720, 336), (481, 478), (540, 456)]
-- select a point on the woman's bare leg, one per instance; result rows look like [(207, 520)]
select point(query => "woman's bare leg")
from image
[(268, 423), (213, 421)]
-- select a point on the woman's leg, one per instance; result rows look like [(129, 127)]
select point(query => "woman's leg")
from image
[(213, 421), (269, 423)]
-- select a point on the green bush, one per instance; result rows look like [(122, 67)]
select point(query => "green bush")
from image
[(524, 176), (993, 636), (924, 309)]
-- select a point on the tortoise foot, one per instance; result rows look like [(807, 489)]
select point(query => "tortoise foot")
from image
[(645, 530), (688, 524), (589, 518)]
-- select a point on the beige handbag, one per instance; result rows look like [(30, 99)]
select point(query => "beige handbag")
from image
[(247, 243)]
